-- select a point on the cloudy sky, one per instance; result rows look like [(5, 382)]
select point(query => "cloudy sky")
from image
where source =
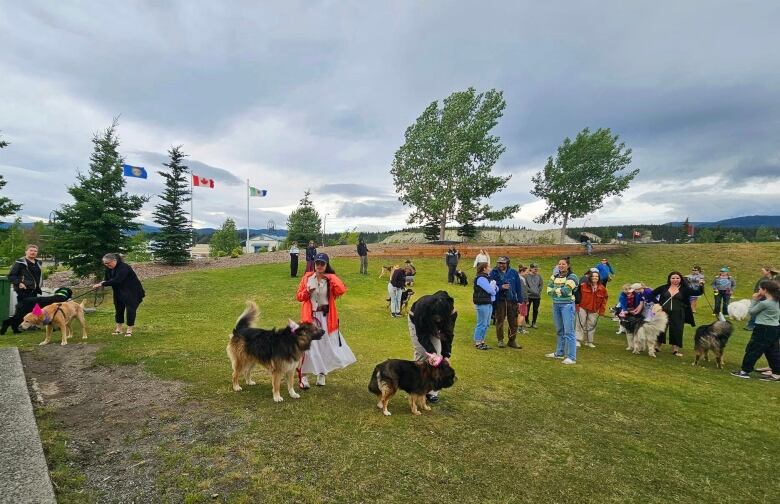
[(296, 95)]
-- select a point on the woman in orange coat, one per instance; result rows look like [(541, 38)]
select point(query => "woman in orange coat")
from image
[(593, 303), (317, 293)]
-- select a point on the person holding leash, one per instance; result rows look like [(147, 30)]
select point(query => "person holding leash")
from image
[(395, 288), (484, 296), (317, 293), (593, 304), (674, 298), (765, 339), (128, 291)]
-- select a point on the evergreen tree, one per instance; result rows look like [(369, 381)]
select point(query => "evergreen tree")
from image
[(12, 247), (304, 223), (101, 217), (7, 207), (467, 230), (224, 239), (175, 236), (431, 231)]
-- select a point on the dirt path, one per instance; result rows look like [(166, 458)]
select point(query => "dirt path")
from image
[(115, 419)]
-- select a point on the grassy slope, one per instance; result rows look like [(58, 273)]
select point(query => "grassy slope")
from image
[(516, 427)]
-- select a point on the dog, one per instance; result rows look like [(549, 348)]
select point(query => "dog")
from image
[(413, 377), (642, 333), (386, 270), (406, 295), (738, 310), (59, 314), (278, 350), (616, 317), (461, 277), (712, 337)]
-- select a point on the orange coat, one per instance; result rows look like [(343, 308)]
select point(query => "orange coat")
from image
[(593, 301), (337, 288)]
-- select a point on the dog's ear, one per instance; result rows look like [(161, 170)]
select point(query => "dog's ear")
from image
[(292, 325)]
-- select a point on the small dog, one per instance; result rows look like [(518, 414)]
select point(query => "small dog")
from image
[(415, 378), (278, 350), (406, 295), (59, 314), (386, 270), (739, 309), (615, 317), (712, 337), (461, 278), (644, 332)]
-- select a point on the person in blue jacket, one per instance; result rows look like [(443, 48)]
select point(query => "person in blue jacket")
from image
[(509, 295), (606, 272)]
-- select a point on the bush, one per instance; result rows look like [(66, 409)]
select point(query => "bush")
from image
[(237, 251)]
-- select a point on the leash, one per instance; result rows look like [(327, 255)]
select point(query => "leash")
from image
[(97, 300)]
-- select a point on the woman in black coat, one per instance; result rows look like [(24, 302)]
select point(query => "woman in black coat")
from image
[(675, 301), (128, 291)]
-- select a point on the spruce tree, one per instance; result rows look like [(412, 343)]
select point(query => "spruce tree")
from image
[(7, 207), (175, 237), (304, 223), (101, 218)]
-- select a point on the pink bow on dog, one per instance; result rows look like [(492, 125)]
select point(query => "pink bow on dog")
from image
[(434, 359), (37, 310)]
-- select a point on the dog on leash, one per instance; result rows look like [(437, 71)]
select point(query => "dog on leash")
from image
[(56, 314), (461, 277), (712, 337), (643, 333), (738, 310), (406, 295), (413, 377), (386, 270), (278, 350)]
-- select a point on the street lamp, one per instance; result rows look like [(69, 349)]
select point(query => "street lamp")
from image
[(324, 221)]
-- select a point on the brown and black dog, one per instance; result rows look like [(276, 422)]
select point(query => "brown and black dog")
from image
[(415, 378), (386, 270), (712, 337), (59, 314), (278, 350)]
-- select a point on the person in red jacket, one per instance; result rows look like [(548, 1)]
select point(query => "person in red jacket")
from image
[(317, 293), (593, 304)]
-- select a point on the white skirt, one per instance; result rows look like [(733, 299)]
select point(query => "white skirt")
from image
[(329, 353)]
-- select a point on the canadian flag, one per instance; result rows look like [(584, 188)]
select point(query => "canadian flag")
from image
[(637, 234), (202, 181)]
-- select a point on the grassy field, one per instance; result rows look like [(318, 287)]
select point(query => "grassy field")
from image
[(515, 428)]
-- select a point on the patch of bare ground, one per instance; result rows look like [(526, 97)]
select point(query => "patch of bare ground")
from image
[(116, 419)]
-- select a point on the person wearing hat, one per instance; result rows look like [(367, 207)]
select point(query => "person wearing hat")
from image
[(509, 295), (451, 259), (317, 292), (674, 298), (723, 285), (767, 273), (534, 282)]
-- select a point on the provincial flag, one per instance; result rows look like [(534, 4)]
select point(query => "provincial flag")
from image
[(620, 235), (133, 171), (253, 191), (202, 181)]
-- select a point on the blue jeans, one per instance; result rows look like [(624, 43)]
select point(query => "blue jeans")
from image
[(484, 311), (563, 316)]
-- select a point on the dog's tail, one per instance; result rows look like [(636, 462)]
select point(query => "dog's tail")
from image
[(248, 317), (373, 385), (83, 304)]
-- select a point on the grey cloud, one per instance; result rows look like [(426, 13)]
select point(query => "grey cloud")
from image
[(379, 208), (351, 190), (155, 161)]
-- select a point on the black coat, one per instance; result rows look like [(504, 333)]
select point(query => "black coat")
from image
[(662, 293), (125, 283), (30, 276)]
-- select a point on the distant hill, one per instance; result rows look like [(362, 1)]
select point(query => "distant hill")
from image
[(750, 221), (146, 228)]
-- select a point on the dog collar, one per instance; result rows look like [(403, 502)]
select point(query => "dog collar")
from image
[(46, 320)]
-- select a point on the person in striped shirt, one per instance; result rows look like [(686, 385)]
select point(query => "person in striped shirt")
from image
[(561, 288)]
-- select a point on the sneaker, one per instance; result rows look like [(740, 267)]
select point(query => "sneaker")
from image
[(321, 380), (590, 345), (304, 383), (770, 377), (568, 361), (554, 356), (483, 346), (522, 331), (533, 326), (501, 344), (579, 344), (740, 374), (432, 398), (513, 344)]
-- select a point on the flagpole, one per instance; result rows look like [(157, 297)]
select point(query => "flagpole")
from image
[(192, 229), (247, 215)]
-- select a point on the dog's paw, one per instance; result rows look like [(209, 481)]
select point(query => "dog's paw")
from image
[(64, 343), (386, 413), (278, 399), (416, 413), (427, 408), (380, 405), (83, 337), (629, 348), (43, 343), (295, 395), (251, 382), (237, 388)]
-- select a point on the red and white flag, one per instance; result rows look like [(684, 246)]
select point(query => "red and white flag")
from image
[(637, 234), (202, 181)]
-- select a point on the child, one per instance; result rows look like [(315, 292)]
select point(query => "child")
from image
[(723, 285)]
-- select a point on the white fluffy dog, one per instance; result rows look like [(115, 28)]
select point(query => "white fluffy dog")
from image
[(646, 335), (739, 309)]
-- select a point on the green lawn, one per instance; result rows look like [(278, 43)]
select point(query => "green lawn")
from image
[(516, 427)]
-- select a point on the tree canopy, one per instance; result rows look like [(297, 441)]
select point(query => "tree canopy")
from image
[(101, 218), (304, 222), (7, 207), (225, 239), (582, 175), (172, 242), (443, 169)]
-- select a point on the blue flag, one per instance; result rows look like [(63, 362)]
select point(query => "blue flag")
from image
[(133, 171)]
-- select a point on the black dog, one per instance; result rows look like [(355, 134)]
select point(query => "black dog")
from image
[(415, 378), (712, 337), (26, 305), (461, 277)]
